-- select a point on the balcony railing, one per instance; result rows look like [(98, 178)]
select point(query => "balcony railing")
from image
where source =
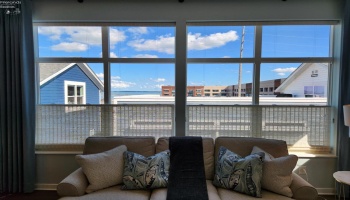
[(64, 126)]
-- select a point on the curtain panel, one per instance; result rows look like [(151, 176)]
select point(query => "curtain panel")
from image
[(17, 98), (343, 134)]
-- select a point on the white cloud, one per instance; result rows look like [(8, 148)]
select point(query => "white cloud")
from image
[(158, 80), (85, 35), (116, 82), (100, 75), (54, 33), (283, 71), (145, 56), (113, 55), (138, 30), (199, 42), (70, 47), (163, 44), (159, 85), (116, 36)]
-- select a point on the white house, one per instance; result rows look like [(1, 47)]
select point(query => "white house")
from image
[(308, 80)]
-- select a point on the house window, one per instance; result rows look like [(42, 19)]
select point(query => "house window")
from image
[(74, 92), (314, 91)]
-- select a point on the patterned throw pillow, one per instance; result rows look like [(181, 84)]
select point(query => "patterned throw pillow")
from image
[(146, 173), (239, 174)]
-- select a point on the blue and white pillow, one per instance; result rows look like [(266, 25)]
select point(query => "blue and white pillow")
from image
[(146, 172), (239, 174)]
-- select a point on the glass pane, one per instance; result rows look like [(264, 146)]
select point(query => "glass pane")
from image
[(80, 90), (142, 42), (296, 41), (141, 108), (219, 84), (143, 82), (216, 89), (294, 83), (220, 41), (80, 100), (69, 41), (54, 76), (70, 90), (70, 100)]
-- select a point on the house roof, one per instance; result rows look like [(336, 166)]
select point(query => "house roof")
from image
[(49, 71), (301, 69)]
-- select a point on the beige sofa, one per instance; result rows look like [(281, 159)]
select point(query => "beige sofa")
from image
[(74, 185)]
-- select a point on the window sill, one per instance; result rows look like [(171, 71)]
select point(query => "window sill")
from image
[(313, 155), (58, 152)]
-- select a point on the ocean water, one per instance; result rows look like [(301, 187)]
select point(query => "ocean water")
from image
[(130, 93)]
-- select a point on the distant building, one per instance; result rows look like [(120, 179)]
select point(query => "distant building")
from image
[(308, 80), (74, 83), (215, 91), (192, 91), (197, 91)]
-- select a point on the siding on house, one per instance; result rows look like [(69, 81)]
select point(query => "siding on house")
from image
[(52, 92), (298, 80)]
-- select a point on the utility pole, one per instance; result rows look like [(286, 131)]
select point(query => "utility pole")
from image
[(240, 64)]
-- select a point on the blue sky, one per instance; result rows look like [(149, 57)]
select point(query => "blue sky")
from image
[(203, 42)]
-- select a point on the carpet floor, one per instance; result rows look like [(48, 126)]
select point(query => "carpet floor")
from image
[(36, 195)]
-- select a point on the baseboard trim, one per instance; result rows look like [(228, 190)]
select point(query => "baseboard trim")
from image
[(326, 191), (46, 186)]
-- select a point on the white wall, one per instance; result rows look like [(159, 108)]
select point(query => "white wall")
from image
[(51, 168)]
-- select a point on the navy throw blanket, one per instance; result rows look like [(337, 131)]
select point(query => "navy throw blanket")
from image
[(186, 173)]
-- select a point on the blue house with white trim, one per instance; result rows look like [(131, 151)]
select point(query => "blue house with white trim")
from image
[(74, 83)]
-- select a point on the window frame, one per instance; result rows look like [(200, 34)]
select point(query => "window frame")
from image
[(181, 61), (75, 96)]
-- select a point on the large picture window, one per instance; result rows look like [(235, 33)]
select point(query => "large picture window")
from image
[(214, 78)]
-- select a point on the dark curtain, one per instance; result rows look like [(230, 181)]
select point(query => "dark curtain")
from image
[(17, 98), (343, 136)]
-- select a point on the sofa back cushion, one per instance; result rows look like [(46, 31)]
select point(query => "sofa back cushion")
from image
[(141, 145), (208, 154), (243, 145)]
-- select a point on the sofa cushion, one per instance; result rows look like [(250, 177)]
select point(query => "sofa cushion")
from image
[(208, 154), (161, 193), (239, 174), (114, 193), (277, 172), (232, 195), (103, 169), (146, 172)]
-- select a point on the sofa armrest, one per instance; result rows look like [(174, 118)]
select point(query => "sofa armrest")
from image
[(302, 189), (73, 185)]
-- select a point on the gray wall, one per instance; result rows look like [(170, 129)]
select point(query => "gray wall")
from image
[(51, 168), (171, 10)]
